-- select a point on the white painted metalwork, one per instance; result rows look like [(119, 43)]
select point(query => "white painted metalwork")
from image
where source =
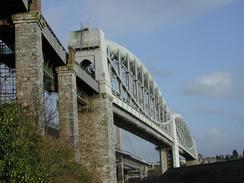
[(133, 85), (121, 74)]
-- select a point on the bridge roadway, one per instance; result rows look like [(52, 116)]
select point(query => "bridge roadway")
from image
[(129, 166)]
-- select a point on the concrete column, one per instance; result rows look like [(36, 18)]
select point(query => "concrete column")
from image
[(126, 177), (163, 160), (175, 148), (141, 172), (97, 139), (29, 65), (120, 169), (176, 156), (145, 170), (68, 111)]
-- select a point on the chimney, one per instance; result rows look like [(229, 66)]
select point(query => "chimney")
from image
[(35, 5)]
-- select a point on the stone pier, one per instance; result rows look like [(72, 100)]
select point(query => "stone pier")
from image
[(163, 155), (120, 167), (68, 112), (29, 65), (97, 140)]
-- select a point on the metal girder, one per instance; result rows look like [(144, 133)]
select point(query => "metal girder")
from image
[(123, 73), (130, 161), (142, 129), (82, 75), (10, 7), (53, 40)]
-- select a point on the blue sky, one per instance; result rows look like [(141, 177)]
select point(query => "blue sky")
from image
[(194, 49)]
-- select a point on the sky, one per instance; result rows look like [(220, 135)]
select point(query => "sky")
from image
[(194, 50)]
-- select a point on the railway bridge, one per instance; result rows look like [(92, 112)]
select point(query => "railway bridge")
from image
[(98, 85)]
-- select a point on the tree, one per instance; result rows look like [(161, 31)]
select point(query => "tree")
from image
[(227, 157), (217, 157), (235, 154)]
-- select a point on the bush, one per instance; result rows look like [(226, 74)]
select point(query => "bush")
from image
[(19, 148), (60, 162), (25, 156)]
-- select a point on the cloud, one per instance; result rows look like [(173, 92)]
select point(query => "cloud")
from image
[(213, 84), (123, 17)]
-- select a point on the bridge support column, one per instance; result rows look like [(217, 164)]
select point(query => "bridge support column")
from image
[(97, 140), (176, 156), (29, 65), (68, 112), (175, 148), (145, 170), (163, 155), (120, 170)]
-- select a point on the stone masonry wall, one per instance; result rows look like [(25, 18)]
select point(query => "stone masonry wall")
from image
[(163, 154), (68, 112), (29, 65), (97, 141)]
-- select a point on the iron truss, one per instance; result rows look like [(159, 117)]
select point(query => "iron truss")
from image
[(132, 83)]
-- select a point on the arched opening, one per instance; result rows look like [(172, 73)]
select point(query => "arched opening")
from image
[(85, 63), (88, 66)]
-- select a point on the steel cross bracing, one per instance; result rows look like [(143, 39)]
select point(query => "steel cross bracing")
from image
[(131, 84)]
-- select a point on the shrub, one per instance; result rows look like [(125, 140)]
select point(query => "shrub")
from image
[(26, 156), (60, 163), (19, 148)]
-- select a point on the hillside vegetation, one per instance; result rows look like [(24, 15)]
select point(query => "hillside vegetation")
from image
[(26, 156)]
